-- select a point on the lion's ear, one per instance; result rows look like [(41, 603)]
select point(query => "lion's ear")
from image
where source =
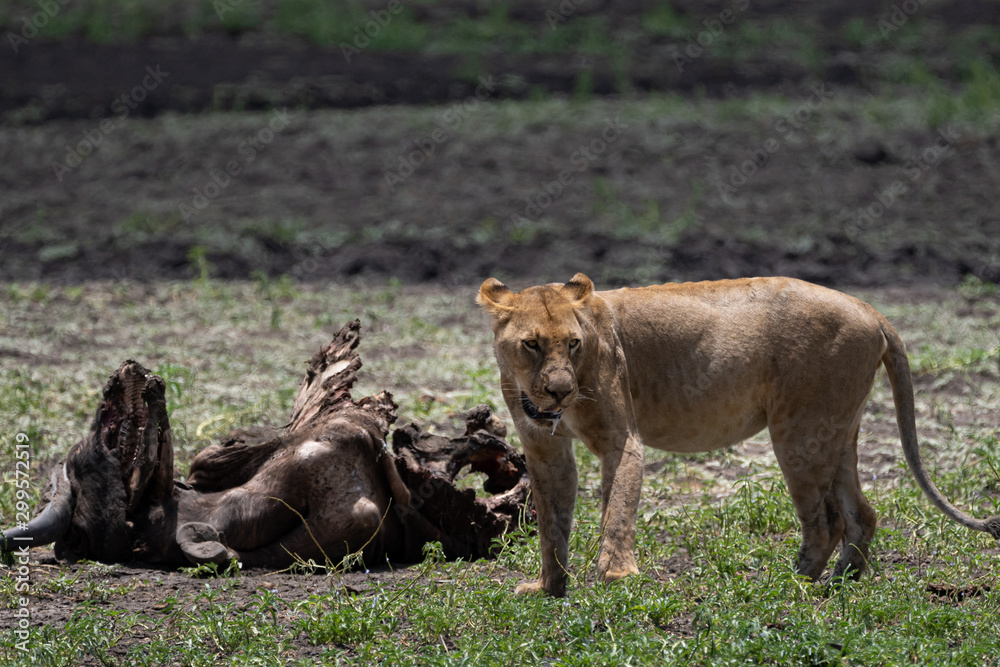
[(494, 296), (578, 289)]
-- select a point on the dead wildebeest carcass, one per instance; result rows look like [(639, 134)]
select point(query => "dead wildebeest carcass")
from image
[(322, 487)]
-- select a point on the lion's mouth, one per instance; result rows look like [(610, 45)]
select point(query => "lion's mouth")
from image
[(534, 412)]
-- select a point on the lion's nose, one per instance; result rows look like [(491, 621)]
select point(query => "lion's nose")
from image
[(557, 393)]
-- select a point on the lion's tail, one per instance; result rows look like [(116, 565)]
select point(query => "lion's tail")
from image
[(898, 368)]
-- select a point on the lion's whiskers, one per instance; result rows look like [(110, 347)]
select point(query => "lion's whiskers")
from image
[(511, 386)]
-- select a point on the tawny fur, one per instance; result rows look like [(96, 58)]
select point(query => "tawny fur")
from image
[(694, 367)]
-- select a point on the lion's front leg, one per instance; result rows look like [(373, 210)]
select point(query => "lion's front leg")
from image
[(552, 469), (621, 482)]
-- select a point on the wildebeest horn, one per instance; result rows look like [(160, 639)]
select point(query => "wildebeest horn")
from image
[(51, 524)]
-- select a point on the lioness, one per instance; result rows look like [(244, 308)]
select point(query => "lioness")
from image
[(689, 368)]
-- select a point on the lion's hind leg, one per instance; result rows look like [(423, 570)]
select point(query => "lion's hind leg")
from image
[(822, 527), (809, 453), (858, 514), (819, 461)]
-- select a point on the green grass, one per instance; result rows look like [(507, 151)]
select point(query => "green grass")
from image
[(717, 532), (333, 24)]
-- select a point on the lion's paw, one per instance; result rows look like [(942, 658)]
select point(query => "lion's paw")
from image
[(537, 587), (528, 588), (615, 575)]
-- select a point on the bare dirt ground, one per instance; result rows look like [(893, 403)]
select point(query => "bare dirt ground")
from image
[(662, 201), (656, 205)]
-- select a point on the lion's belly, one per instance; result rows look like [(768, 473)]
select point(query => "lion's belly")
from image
[(693, 419), (696, 433)]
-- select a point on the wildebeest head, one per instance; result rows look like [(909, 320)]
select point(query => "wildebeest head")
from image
[(117, 478)]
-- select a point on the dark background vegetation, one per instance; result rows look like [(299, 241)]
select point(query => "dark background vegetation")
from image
[(316, 204)]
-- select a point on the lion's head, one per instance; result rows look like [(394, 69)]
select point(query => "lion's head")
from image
[(541, 342)]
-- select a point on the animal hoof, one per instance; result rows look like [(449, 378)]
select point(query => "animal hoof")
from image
[(201, 544)]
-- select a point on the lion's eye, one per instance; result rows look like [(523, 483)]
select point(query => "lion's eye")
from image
[(531, 344), (574, 344)]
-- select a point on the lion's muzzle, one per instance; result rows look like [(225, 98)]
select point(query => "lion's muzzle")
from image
[(534, 412)]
